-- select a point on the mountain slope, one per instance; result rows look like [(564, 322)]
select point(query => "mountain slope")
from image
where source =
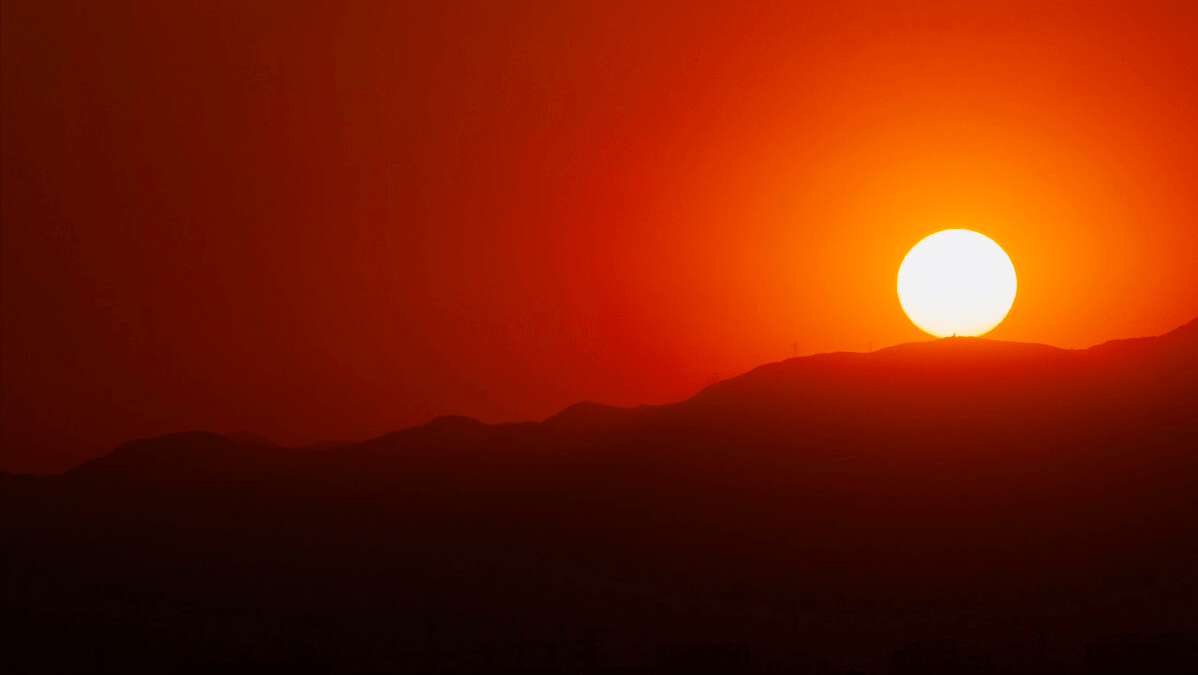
[(841, 503)]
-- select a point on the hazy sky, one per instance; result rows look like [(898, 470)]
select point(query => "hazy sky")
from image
[(331, 222)]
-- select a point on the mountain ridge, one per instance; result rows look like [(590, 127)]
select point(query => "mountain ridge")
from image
[(972, 356), (959, 485)]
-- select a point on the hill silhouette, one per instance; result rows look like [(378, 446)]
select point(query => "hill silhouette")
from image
[(839, 504)]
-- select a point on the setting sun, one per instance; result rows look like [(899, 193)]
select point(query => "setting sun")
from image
[(956, 282)]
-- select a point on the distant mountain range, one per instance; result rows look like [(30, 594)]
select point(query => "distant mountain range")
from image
[(838, 504)]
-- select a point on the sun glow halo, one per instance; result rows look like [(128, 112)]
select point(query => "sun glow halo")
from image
[(956, 282)]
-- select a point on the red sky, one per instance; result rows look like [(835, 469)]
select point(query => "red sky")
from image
[(334, 222)]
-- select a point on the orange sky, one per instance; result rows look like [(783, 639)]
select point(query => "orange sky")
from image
[(329, 224)]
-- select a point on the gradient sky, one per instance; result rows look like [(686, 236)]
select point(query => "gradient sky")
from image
[(331, 222)]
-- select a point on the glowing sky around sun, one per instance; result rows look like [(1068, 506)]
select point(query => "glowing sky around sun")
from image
[(317, 221)]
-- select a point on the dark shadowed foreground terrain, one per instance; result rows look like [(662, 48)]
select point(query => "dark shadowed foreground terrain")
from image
[(957, 506)]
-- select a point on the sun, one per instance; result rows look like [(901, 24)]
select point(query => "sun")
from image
[(956, 282)]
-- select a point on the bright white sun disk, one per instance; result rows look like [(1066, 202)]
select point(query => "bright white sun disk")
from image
[(956, 282)]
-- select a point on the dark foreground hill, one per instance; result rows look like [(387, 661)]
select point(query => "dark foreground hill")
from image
[(1021, 499)]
